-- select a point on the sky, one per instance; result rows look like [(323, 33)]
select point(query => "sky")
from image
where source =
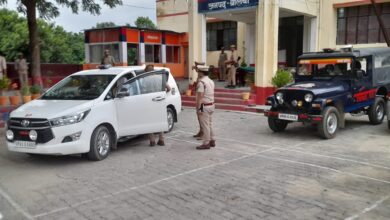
[(127, 13)]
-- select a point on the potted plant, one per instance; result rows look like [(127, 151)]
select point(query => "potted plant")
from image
[(281, 78), (35, 91), (4, 84), (26, 94), (15, 98)]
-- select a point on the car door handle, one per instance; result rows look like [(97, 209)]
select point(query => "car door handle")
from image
[(158, 99)]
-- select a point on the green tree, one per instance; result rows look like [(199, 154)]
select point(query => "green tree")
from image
[(145, 22), (57, 45), (49, 10), (105, 24)]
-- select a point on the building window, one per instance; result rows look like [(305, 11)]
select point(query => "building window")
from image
[(96, 52), (173, 54), (152, 53), (359, 25), (221, 34)]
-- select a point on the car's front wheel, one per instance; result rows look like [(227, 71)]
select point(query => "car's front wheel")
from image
[(101, 142), (277, 125), (330, 122), (377, 111), (171, 119)]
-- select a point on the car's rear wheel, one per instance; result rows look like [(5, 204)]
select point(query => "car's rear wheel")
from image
[(277, 125), (330, 123), (171, 119), (101, 143), (377, 111)]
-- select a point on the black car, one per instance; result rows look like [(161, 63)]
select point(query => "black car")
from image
[(331, 83)]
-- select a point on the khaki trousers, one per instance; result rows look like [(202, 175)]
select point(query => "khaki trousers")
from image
[(23, 79), (232, 75), (206, 123), (222, 71)]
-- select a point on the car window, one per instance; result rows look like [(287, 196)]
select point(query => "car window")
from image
[(132, 88), (152, 83), (118, 84)]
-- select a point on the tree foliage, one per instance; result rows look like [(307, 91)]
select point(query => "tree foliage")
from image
[(105, 24), (57, 45), (145, 22)]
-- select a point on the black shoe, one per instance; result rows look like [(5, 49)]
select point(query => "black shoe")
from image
[(152, 143), (161, 143)]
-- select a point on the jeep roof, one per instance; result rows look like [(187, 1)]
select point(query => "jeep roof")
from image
[(361, 52)]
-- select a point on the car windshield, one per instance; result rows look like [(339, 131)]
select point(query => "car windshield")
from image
[(325, 67), (79, 87)]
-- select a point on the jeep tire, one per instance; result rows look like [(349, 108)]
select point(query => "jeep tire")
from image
[(277, 125), (376, 112), (330, 123), (101, 143)]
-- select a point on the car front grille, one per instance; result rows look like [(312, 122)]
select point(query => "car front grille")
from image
[(21, 128), (291, 99)]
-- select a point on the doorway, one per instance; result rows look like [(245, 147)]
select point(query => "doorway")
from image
[(132, 54)]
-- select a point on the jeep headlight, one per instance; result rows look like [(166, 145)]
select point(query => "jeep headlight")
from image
[(279, 97), (309, 97), (69, 119)]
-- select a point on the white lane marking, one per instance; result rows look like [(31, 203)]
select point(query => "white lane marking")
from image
[(14, 204), (222, 148), (300, 151), (372, 207), (326, 168), (74, 205)]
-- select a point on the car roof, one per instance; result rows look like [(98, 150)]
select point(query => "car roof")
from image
[(115, 70), (356, 53)]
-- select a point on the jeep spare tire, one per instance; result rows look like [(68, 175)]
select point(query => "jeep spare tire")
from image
[(330, 122), (377, 111)]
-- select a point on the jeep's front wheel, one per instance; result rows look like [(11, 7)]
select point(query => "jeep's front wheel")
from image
[(377, 112), (277, 125), (330, 123), (101, 143)]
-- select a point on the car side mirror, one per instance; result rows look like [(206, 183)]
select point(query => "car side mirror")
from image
[(359, 74), (123, 93)]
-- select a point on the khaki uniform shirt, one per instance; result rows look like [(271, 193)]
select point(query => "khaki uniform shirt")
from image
[(233, 57), (206, 86), (108, 60), (3, 66), (21, 65), (222, 59)]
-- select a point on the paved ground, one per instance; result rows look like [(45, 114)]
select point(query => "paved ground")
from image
[(251, 174)]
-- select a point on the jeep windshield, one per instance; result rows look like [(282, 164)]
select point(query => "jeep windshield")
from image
[(325, 67), (79, 87)]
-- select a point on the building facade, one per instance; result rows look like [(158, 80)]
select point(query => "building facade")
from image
[(272, 33), (134, 46)]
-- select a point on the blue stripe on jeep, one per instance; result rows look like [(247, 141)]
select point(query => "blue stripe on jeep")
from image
[(358, 106)]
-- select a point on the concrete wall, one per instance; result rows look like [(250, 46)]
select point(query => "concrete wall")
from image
[(172, 15)]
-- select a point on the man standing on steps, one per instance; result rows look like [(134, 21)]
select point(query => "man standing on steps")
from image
[(205, 106), (222, 64), (232, 68)]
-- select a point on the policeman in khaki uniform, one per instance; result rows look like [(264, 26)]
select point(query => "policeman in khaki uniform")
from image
[(205, 107)]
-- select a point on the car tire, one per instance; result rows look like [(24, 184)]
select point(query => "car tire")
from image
[(377, 111), (277, 125), (101, 143), (330, 123), (171, 118)]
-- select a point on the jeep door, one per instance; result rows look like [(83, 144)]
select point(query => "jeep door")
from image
[(362, 87), (143, 109)]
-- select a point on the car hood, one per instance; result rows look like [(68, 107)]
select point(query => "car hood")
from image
[(50, 109), (319, 87)]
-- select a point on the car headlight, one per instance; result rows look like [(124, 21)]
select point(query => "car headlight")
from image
[(309, 97), (279, 97), (69, 119), (10, 135)]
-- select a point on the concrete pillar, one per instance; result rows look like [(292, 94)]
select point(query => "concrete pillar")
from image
[(142, 53), (164, 53), (310, 34), (123, 53), (249, 42), (267, 25), (87, 53), (197, 38)]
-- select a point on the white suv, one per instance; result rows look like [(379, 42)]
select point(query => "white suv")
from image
[(89, 111)]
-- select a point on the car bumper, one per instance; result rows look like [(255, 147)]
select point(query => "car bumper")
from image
[(55, 146), (301, 117)]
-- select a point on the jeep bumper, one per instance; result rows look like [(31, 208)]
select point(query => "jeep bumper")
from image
[(294, 117)]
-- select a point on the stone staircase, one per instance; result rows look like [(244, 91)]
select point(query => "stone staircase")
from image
[(226, 99)]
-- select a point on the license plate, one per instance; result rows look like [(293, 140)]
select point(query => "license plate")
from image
[(288, 117), (25, 144)]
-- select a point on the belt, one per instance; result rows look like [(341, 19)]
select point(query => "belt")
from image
[(208, 104)]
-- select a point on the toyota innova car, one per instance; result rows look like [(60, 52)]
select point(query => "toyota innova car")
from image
[(89, 111)]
